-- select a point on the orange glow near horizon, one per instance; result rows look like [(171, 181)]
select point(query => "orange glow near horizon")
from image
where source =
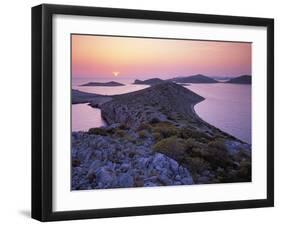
[(107, 56)]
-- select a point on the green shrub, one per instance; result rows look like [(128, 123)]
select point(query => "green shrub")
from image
[(98, 131), (120, 133), (192, 143), (170, 145), (166, 129), (198, 151), (142, 134), (144, 126), (123, 127), (245, 170), (216, 154), (218, 144), (130, 138), (192, 133), (157, 136), (197, 165)]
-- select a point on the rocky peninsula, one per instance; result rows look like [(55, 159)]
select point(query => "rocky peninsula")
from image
[(154, 137)]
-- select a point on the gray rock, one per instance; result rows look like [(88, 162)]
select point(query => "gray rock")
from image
[(149, 184), (151, 179), (126, 180), (183, 171), (160, 160), (177, 177), (114, 166), (106, 177), (234, 147), (125, 167), (93, 168), (144, 162), (174, 166), (187, 180), (165, 180)]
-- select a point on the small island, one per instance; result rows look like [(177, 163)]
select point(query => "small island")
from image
[(194, 79), (112, 83), (152, 81), (243, 79)]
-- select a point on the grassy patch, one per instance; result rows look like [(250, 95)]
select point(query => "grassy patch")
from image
[(98, 131), (192, 133), (143, 134), (157, 136), (120, 133), (170, 145), (144, 126), (123, 127), (197, 165), (165, 129), (130, 138)]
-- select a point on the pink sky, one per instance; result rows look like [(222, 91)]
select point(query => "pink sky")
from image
[(100, 56)]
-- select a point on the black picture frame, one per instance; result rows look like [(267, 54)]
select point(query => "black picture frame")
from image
[(42, 107)]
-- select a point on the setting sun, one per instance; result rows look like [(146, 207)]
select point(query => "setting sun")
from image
[(115, 73)]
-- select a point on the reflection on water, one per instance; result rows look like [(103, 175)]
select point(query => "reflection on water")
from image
[(106, 90)]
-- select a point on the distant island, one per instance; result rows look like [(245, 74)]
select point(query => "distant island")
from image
[(154, 137), (221, 77), (243, 79), (194, 79), (152, 81), (112, 83)]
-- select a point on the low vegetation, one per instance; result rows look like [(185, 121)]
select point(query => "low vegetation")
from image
[(201, 154), (170, 145), (197, 150), (165, 129), (143, 134), (98, 131), (120, 133)]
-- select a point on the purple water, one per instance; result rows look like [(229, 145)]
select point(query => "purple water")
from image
[(226, 106), (85, 117)]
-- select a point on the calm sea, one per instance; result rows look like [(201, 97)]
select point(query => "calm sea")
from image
[(226, 106)]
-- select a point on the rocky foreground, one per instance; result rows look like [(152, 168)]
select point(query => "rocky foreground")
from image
[(114, 161), (155, 138)]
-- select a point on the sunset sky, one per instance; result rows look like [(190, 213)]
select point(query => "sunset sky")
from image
[(105, 56)]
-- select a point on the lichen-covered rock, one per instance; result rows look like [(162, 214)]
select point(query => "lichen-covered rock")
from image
[(125, 180), (106, 177), (107, 163)]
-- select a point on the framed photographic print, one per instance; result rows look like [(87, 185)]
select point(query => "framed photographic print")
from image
[(145, 112)]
